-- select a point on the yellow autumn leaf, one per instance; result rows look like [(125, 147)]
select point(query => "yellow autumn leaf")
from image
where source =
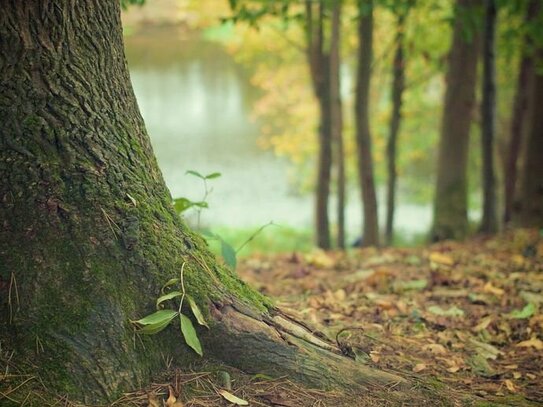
[(510, 386), (440, 258), (233, 399), (490, 289), (531, 343)]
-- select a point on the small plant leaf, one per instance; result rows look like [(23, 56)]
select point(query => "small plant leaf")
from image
[(169, 283), (228, 254), (213, 175), (166, 297), (189, 333), (154, 328), (195, 173), (157, 317), (233, 399), (197, 313)]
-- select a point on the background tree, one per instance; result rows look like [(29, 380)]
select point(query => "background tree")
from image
[(489, 222), (521, 115), (319, 65), (370, 230), (89, 233), (451, 199), (401, 10), (337, 119)]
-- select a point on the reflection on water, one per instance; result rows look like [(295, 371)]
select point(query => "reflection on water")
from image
[(196, 103)]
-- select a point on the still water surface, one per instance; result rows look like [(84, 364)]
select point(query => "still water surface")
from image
[(196, 102)]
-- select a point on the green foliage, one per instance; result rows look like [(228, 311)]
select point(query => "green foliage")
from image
[(159, 320), (126, 3)]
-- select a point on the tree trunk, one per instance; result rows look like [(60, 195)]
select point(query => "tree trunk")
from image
[(319, 65), (520, 117), (370, 230), (451, 200), (489, 222), (530, 210), (398, 86), (88, 232), (337, 120)]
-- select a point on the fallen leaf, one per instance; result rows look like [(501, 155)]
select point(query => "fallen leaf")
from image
[(419, 367), (483, 324), (489, 288), (524, 313), (172, 400), (375, 356), (233, 399), (153, 401), (440, 258), (453, 369), (454, 311), (531, 343), (510, 386), (435, 348)]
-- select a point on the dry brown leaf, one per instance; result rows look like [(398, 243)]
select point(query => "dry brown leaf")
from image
[(517, 375), (531, 343), (375, 356), (515, 366), (435, 348), (453, 369), (419, 367)]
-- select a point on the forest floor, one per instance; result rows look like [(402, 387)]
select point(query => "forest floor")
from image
[(466, 318)]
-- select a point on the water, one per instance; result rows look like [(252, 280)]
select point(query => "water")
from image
[(196, 103)]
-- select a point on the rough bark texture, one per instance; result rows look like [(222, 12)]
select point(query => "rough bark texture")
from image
[(520, 117), (530, 210), (319, 65), (88, 232), (450, 204), (370, 230), (489, 223), (337, 120), (398, 86)]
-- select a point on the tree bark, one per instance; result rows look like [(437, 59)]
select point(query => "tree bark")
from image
[(520, 117), (451, 199), (319, 65), (370, 230), (489, 222), (530, 210), (398, 87), (89, 234), (337, 120)]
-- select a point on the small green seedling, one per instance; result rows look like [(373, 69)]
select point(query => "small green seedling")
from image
[(157, 321)]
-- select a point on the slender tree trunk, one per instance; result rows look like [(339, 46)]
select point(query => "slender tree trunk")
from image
[(337, 120), (319, 65), (530, 210), (370, 231), (398, 87), (520, 118), (451, 199), (489, 222), (89, 234)]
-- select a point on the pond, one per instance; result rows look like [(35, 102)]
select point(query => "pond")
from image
[(196, 102)]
